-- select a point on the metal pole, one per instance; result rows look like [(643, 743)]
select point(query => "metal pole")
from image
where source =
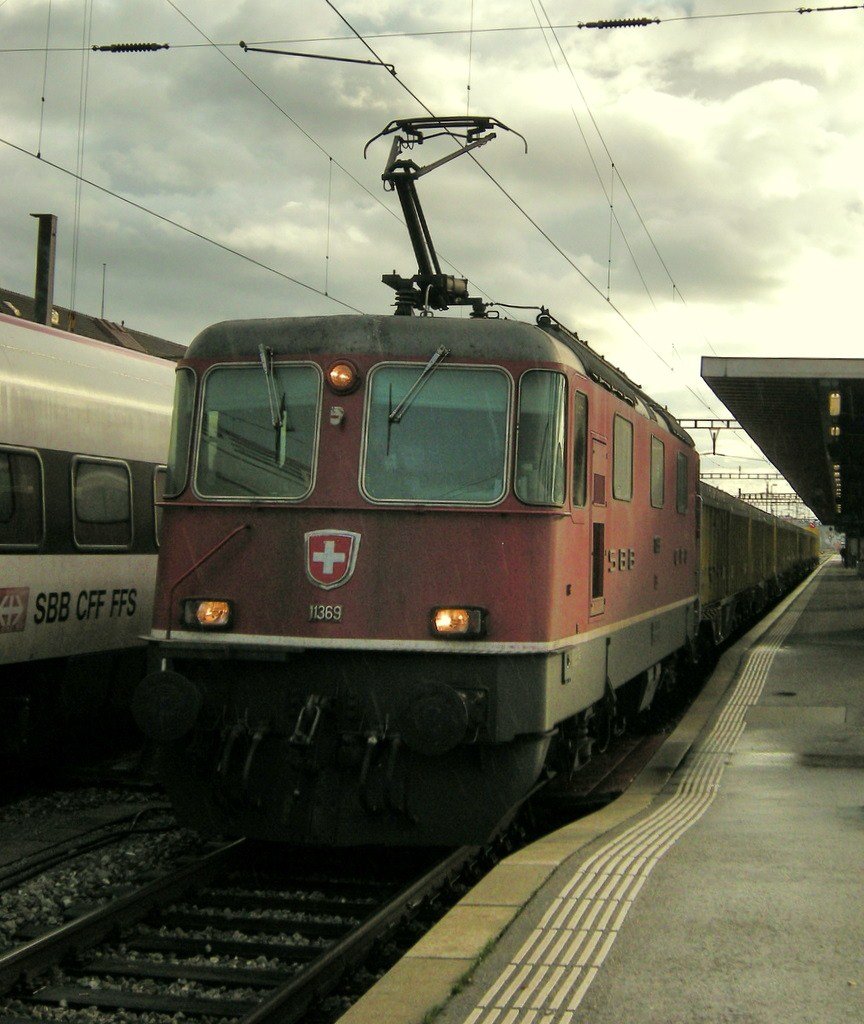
[(43, 296)]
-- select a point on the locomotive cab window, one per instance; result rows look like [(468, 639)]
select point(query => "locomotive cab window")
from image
[(681, 483), (101, 503), (22, 517), (658, 472), (259, 431), (438, 439), (622, 459), (541, 432), (181, 432), (580, 447)]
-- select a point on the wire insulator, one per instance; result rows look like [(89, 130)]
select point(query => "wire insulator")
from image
[(620, 23), (131, 47)]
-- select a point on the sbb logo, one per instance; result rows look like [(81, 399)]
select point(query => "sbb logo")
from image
[(13, 608)]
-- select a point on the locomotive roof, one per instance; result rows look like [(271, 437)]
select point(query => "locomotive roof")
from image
[(418, 337)]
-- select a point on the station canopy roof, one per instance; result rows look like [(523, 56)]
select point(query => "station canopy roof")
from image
[(807, 417)]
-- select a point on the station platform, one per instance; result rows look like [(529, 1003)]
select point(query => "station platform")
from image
[(726, 885)]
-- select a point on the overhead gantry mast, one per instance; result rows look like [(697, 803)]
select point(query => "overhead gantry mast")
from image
[(429, 288)]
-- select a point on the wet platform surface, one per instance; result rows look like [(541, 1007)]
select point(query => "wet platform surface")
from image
[(727, 888)]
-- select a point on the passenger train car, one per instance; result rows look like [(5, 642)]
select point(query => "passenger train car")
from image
[(408, 564), (83, 440)]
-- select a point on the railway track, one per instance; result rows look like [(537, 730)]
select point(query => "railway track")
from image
[(220, 940), (97, 837)]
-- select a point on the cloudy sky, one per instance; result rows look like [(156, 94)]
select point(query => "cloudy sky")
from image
[(692, 187)]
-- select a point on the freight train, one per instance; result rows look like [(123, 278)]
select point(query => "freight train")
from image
[(83, 439), (410, 564)]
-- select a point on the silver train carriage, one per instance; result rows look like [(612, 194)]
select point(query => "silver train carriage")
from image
[(84, 431)]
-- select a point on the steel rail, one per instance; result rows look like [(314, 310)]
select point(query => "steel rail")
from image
[(291, 1001), (95, 838), (32, 958)]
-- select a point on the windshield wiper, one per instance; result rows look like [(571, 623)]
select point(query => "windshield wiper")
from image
[(278, 411), (427, 371), (277, 408)]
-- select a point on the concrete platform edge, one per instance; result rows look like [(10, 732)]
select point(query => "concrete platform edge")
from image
[(443, 961)]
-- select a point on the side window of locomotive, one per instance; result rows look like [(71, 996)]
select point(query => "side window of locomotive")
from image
[(439, 440), (658, 473), (259, 432), (541, 432), (181, 432), (622, 459), (159, 476), (101, 503), (22, 517), (681, 483), (580, 447)]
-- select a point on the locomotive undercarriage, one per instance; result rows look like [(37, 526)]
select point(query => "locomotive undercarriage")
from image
[(383, 747), (320, 750)]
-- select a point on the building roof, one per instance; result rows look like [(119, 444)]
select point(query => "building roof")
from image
[(16, 304), (807, 417)]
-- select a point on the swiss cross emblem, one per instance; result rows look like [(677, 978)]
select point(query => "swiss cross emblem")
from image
[(331, 556), (13, 608)]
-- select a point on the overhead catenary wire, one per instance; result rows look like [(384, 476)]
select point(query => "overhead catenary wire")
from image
[(470, 59), (329, 210), (84, 86), (609, 193), (431, 33), (616, 171), (180, 226), (609, 197), (44, 78), (306, 134)]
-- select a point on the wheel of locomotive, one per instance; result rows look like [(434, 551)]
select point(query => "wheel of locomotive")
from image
[(603, 724), (663, 704), (574, 744)]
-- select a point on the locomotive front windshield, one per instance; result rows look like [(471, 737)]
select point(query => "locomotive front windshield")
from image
[(258, 434), (440, 439)]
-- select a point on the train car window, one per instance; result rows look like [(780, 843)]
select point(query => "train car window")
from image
[(622, 459), (449, 443), (658, 473), (540, 474), (181, 432), (159, 477), (580, 447), (681, 483), (259, 432), (7, 503), (101, 503), (22, 510)]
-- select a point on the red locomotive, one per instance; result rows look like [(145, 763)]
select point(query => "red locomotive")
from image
[(408, 563), (401, 557)]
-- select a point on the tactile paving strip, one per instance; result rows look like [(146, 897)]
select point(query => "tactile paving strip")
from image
[(549, 976)]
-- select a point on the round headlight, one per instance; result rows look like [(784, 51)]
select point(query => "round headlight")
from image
[(342, 377)]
